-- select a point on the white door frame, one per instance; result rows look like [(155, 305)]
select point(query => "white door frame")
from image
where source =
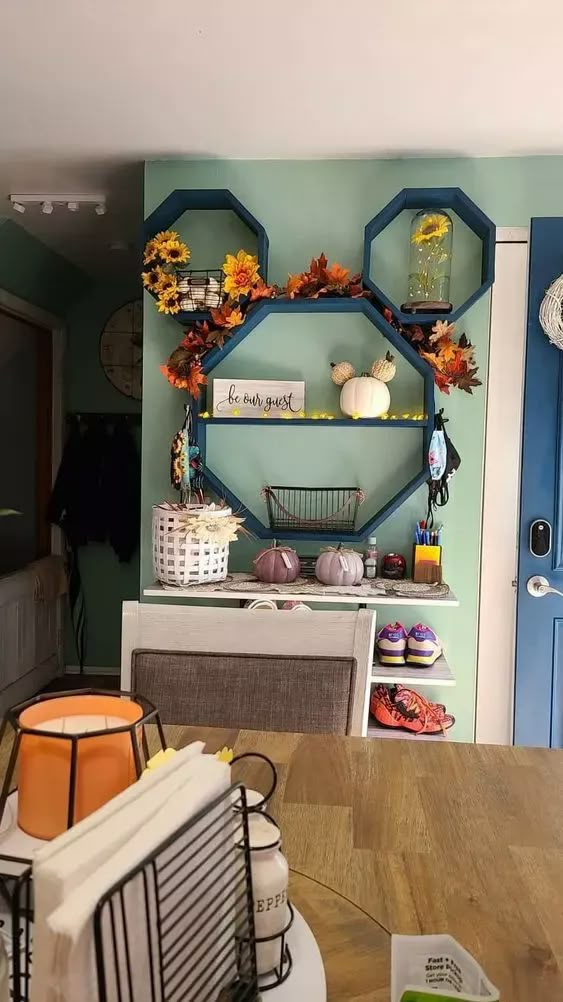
[(494, 705)]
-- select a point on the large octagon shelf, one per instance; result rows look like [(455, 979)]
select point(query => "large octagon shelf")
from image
[(433, 198), (333, 305), (183, 199)]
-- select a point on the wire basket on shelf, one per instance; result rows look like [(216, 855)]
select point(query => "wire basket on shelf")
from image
[(331, 510), (200, 290), (180, 558)]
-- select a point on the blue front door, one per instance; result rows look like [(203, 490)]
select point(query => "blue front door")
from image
[(538, 718)]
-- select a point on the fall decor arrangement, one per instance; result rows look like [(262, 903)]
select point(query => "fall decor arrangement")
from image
[(453, 362), (191, 542), (364, 396)]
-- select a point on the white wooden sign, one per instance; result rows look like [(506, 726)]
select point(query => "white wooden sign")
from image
[(240, 398)]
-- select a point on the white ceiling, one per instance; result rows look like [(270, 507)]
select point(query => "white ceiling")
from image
[(91, 88)]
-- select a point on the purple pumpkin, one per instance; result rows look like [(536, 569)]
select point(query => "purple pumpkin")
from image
[(339, 567), (277, 565)]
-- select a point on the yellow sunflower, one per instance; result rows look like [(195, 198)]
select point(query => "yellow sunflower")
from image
[(174, 252), (241, 273), (432, 227), (164, 236), (152, 278), (151, 251), (167, 284), (169, 303)]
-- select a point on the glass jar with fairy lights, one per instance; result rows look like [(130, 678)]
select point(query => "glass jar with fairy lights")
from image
[(430, 262)]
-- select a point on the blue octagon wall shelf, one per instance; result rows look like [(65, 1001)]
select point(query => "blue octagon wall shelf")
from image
[(433, 198), (334, 305), (183, 199)]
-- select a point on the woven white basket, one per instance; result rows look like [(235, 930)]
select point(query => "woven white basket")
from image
[(183, 560)]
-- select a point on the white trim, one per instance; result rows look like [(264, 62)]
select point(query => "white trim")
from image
[(512, 235), (211, 594), (501, 490)]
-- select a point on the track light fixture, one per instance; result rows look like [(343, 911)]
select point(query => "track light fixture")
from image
[(72, 202)]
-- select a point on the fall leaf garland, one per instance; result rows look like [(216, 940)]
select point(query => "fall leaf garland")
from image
[(453, 361)]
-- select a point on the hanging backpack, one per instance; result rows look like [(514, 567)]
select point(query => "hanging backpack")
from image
[(443, 461)]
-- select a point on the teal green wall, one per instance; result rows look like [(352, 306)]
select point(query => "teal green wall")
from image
[(307, 207), (33, 272), (106, 581)]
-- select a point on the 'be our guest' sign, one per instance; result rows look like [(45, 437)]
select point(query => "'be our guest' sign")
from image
[(255, 397)]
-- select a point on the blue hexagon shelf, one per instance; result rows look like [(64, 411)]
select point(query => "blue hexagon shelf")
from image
[(183, 199), (433, 198), (334, 305)]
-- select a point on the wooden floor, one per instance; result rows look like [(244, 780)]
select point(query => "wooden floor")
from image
[(74, 681)]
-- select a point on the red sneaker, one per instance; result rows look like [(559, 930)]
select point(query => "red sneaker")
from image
[(420, 715), (383, 709)]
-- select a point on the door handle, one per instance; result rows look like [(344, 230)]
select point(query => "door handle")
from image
[(538, 586)]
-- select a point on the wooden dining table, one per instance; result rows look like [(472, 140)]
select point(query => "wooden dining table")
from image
[(416, 837)]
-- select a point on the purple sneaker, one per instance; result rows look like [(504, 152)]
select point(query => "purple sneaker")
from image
[(392, 644), (423, 646)]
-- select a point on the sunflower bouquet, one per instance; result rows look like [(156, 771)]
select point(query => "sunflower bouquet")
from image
[(163, 254)]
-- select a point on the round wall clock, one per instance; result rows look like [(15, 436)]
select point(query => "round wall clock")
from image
[(121, 349)]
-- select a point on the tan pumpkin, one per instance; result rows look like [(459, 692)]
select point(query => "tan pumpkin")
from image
[(342, 372), (385, 368), (364, 397)]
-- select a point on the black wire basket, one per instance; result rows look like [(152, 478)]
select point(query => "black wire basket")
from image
[(200, 290), (331, 511), (195, 930)]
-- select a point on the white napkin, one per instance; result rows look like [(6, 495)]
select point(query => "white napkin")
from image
[(64, 863), (129, 929)]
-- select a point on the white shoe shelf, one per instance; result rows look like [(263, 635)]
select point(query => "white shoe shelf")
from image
[(439, 673)]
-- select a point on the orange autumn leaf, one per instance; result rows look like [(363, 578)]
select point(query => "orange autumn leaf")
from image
[(294, 285), (317, 268), (446, 350), (433, 360), (226, 316), (336, 276), (194, 380), (262, 291)]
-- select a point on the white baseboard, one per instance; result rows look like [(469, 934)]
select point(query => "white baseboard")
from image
[(91, 670)]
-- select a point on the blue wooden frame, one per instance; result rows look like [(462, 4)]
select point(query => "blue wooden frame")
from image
[(433, 198), (181, 200), (329, 305)]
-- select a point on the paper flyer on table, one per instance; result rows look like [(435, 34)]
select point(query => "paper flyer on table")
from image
[(436, 969)]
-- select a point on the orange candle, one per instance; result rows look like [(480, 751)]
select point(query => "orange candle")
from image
[(104, 765)]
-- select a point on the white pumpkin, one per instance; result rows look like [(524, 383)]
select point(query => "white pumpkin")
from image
[(364, 397)]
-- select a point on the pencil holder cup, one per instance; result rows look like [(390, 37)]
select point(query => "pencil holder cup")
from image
[(427, 564)]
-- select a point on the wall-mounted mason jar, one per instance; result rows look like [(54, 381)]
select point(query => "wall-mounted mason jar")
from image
[(430, 262)]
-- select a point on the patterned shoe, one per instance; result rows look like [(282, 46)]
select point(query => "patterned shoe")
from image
[(404, 688), (383, 709), (392, 644), (423, 646), (420, 715)]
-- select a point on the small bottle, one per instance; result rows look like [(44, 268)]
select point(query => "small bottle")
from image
[(371, 557)]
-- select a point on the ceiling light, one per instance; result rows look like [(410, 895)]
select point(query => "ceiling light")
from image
[(72, 206), (100, 209), (18, 207), (47, 208)]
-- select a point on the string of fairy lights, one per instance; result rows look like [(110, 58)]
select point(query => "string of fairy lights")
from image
[(321, 416)]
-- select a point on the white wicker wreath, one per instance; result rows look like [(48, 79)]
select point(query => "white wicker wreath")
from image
[(551, 312)]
